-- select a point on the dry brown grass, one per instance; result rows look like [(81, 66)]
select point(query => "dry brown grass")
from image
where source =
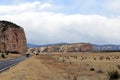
[(72, 66), (10, 56), (79, 64), (30, 69)]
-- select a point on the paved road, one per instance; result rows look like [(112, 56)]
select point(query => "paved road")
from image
[(6, 64)]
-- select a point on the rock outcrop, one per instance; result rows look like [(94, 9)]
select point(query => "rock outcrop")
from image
[(78, 47), (12, 38)]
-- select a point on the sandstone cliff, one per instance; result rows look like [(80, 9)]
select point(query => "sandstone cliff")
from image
[(78, 47), (12, 38)]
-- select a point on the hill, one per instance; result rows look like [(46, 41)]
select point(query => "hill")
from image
[(96, 47)]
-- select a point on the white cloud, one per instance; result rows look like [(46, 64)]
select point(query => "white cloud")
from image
[(47, 5), (43, 27), (113, 6), (23, 7)]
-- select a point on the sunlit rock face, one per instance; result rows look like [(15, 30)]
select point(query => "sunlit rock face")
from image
[(12, 38), (77, 47)]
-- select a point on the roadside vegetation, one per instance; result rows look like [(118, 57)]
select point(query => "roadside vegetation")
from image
[(4, 56)]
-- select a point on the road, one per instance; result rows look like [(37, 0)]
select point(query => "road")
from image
[(6, 64)]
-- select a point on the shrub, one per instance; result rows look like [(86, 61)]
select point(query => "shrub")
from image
[(3, 55), (27, 55), (113, 75), (63, 60), (118, 66), (101, 58), (94, 58), (92, 69)]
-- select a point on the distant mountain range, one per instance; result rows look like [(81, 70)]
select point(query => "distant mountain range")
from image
[(108, 47), (30, 45)]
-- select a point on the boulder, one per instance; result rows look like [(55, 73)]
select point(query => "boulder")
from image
[(12, 38)]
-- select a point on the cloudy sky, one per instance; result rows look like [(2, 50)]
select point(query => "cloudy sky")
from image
[(71, 21)]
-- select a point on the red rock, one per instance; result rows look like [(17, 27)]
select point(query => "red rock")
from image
[(12, 38)]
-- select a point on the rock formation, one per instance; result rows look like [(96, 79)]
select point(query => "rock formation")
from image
[(78, 47), (12, 38)]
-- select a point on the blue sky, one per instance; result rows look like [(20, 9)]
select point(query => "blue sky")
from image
[(56, 21)]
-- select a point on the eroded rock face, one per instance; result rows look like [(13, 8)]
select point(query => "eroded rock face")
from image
[(78, 47), (12, 38)]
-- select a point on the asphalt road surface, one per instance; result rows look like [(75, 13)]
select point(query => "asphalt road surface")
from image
[(6, 64)]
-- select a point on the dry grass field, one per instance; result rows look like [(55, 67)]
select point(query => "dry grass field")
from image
[(65, 66), (84, 66)]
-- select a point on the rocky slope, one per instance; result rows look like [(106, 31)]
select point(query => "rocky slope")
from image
[(12, 38), (77, 47)]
